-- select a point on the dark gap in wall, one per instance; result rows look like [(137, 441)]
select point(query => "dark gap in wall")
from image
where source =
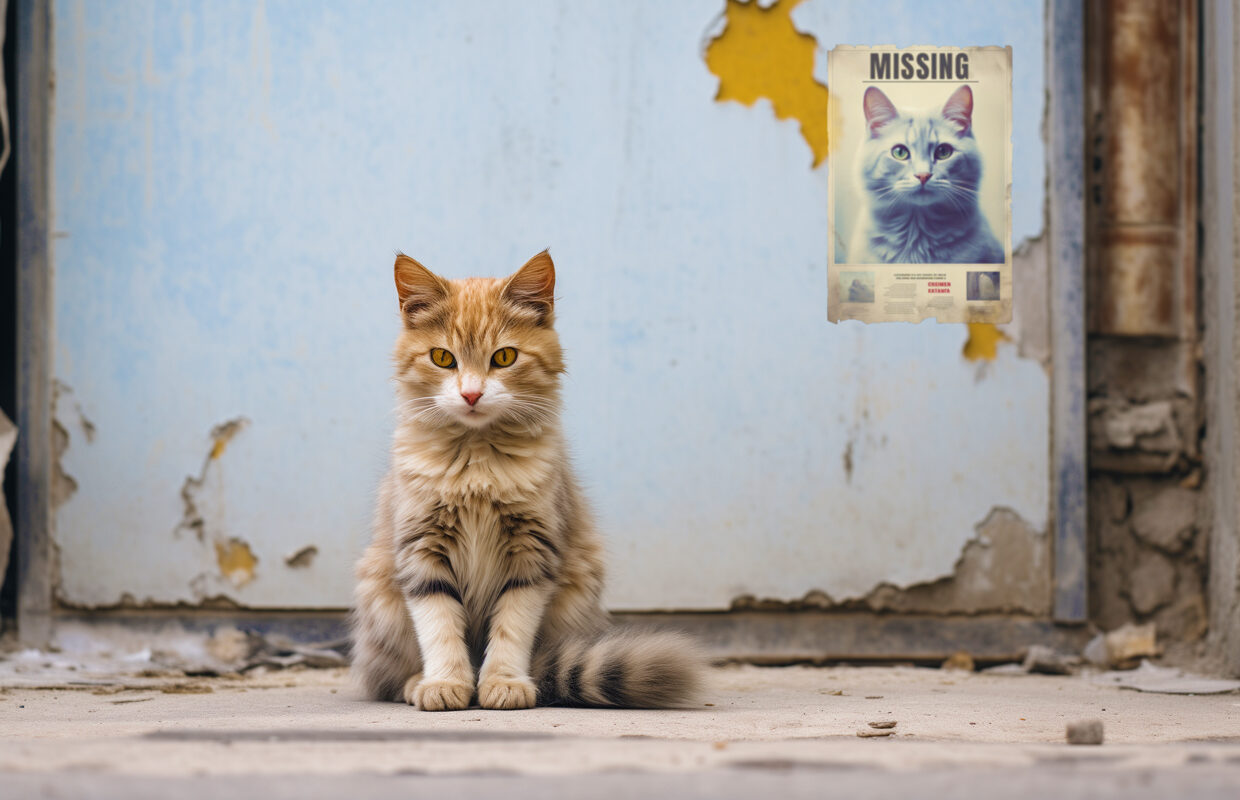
[(8, 304)]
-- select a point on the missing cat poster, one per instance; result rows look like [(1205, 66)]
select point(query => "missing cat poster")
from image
[(919, 184)]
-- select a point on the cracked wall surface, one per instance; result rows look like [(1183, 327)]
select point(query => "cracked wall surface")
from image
[(1147, 540)]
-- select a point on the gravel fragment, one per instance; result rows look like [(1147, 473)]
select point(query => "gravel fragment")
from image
[(1087, 731)]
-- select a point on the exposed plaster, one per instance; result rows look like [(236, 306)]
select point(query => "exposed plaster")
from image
[(128, 602), (1029, 329), (63, 484), (1005, 568), (302, 558), (760, 54)]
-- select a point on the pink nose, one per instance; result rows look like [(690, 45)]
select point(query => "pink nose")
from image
[(923, 177), (471, 397)]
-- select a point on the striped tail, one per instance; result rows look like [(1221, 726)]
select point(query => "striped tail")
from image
[(625, 669)]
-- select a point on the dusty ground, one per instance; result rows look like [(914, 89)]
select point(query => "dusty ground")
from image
[(758, 732)]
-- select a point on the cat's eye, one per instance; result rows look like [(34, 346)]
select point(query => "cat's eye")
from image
[(442, 358), (899, 153), (943, 151), (504, 357)]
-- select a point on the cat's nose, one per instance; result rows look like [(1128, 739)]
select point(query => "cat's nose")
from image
[(923, 177), (471, 397)]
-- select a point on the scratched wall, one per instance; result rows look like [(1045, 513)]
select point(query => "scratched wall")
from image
[(231, 180)]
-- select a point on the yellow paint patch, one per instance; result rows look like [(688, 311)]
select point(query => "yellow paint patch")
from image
[(983, 341), (237, 561), (761, 54)]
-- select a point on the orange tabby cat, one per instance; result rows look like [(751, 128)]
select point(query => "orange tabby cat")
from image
[(484, 574)]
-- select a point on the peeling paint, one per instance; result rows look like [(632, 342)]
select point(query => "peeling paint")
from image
[(1030, 326), (223, 433), (63, 484), (234, 558), (304, 557), (983, 341), (1005, 568), (191, 516), (761, 54), (59, 391), (237, 561)]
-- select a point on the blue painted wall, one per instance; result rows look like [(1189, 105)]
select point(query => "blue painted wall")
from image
[(231, 180)]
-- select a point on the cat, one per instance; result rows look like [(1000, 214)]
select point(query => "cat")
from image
[(484, 574), (920, 173)]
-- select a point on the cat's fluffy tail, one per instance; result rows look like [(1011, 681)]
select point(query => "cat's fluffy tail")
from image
[(620, 668)]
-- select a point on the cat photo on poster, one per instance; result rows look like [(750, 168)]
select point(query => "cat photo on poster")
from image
[(920, 183)]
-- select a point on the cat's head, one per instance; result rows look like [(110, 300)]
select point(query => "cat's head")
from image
[(478, 352), (920, 158)]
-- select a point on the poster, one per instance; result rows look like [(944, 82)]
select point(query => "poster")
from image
[(919, 184)]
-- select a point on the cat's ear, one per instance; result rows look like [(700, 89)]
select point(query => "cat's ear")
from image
[(959, 109), (417, 287), (532, 287), (878, 110)]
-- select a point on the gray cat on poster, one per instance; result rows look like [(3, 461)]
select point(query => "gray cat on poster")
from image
[(920, 172)]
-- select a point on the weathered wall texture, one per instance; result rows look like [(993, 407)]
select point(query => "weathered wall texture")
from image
[(231, 180), (1148, 546)]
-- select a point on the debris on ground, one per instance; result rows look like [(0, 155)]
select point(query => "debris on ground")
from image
[(241, 651), (1048, 661), (870, 733), (883, 724), (1006, 669), (229, 652), (1165, 680), (959, 660), (1087, 731), (1040, 660), (186, 688), (1124, 647)]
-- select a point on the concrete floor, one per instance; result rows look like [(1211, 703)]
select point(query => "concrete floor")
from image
[(758, 731)]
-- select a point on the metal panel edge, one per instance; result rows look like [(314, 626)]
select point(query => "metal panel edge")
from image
[(1066, 214), (34, 401)]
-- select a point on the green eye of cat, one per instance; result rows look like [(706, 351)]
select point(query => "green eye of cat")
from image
[(504, 357), (899, 153), (442, 358), (943, 151)]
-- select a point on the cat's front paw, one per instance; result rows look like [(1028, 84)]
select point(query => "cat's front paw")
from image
[(411, 687), (441, 694), (506, 693)]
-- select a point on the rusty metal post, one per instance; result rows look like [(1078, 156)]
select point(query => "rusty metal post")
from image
[(1144, 168)]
